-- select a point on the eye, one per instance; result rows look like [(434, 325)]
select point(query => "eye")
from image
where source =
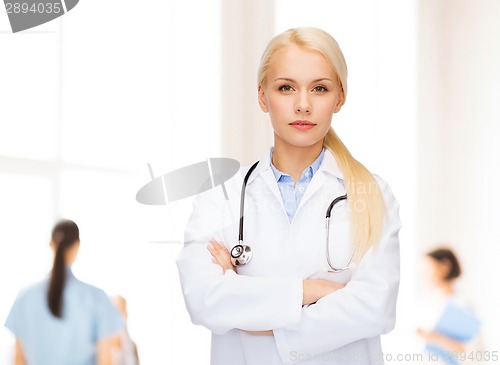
[(285, 88), (320, 89)]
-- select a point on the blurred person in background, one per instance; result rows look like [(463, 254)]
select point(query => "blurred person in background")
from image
[(448, 325), (125, 350), (60, 320)]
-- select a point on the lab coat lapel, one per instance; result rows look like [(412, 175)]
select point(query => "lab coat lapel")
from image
[(264, 169), (328, 168)]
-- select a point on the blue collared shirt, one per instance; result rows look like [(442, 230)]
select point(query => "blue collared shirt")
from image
[(290, 194), (88, 316)]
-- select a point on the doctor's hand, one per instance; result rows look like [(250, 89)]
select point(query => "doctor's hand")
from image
[(220, 255), (315, 289)]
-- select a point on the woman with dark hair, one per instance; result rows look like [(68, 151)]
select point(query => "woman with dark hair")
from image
[(448, 265), (450, 330), (61, 320)]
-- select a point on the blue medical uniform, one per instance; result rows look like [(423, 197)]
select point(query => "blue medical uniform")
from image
[(88, 316)]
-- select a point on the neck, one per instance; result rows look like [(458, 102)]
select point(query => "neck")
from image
[(292, 160), (447, 287)]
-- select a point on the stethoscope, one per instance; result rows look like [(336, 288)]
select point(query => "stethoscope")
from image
[(241, 254)]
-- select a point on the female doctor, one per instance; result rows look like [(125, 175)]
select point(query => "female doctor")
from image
[(298, 299)]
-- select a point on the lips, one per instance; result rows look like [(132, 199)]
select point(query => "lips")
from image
[(302, 125)]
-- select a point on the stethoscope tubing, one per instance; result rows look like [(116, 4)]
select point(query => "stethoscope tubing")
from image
[(328, 217), (327, 226), (242, 200)]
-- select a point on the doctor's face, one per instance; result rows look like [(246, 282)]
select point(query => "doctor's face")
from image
[(301, 93)]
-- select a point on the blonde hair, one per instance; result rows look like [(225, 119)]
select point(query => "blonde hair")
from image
[(364, 195)]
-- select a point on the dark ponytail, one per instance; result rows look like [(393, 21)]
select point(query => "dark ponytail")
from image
[(64, 235)]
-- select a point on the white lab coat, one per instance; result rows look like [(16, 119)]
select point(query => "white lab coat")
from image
[(341, 328)]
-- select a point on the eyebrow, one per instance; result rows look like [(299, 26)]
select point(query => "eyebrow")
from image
[(292, 80)]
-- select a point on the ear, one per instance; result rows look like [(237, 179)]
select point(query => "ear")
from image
[(339, 103), (262, 99)]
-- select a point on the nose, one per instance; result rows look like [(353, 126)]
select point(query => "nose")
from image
[(302, 104)]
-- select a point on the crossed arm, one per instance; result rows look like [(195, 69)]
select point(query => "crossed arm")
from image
[(313, 289), (276, 306)]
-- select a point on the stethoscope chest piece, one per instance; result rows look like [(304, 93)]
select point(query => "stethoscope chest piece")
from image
[(241, 255)]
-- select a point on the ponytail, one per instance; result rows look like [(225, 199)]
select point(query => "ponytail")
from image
[(364, 196), (64, 235)]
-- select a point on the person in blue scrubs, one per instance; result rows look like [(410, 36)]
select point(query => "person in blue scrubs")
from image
[(62, 320)]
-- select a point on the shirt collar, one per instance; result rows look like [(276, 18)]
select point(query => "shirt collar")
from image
[(69, 273), (312, 167), (328, 166)]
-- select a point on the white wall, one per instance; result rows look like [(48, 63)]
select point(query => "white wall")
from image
[(458, 150), (247, 26)]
